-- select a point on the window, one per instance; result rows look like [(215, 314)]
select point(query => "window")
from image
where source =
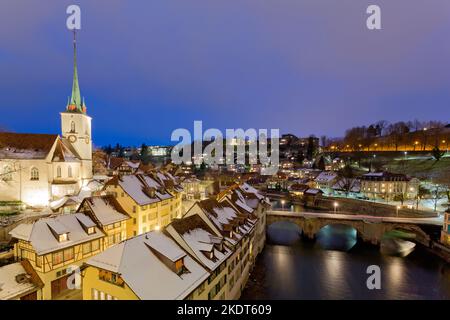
[(91, 230), (68, 254), (117, 237), (58, 172), (63, 237), (94, 294), (69, 171), (7, 173), (72, 126), (111, 239), (144, 219), (57, 258), (95, 245), (34, 174), (134, 209), (38, 261), (86, 248), (134, 220), (117, 225)]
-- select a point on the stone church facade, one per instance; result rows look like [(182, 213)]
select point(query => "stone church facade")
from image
[(38, 168)]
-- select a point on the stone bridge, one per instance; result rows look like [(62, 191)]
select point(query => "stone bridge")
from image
[(369, 228)]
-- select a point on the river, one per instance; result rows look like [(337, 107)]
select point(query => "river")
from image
[(334, 267)]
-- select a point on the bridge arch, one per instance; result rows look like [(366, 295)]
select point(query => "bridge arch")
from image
[(369, 229), (420, 236), (284, 232)]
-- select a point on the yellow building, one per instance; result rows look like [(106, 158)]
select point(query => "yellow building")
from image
[(206, 255), (147, 267), (152, 201), (56, 247), (445, 233), (19, 281), (109, 216)]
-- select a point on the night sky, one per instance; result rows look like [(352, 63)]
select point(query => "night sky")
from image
[(149, 67)]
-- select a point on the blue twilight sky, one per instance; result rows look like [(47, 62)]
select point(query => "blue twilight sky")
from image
[(149, 67)]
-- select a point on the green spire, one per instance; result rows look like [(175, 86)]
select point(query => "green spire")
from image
[(75, 103)]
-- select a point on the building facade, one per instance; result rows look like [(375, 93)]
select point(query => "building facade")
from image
[(151, 201), (207, 254), (389, 186), (38, 168)]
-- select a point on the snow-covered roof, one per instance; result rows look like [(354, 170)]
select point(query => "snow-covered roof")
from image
[(345, 183), (159, 190), (105, 209), (200, 238), (248, 189), (132, 164), (26, 145), (326, 177), (42, 238), (134, 187), (138, 187), (15, 281), (144, 272), (313, 191)]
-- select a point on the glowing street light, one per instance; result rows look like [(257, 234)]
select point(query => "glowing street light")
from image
[(398, 207), (282, 204), (335, 205)]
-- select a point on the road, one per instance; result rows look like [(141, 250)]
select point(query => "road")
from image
[(437, 221)]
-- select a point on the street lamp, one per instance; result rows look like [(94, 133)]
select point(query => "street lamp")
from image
[(398, 207), (335, 205), (282, 204), (406, 153)]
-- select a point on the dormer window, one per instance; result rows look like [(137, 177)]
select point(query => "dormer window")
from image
[(179, 266), (219, 246), (63, 237), (86, 223)]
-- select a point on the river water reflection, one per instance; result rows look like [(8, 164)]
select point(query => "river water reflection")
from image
[(334, 267)]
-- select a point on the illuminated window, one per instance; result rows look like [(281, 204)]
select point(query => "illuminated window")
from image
[(38, 261), (58, 172), (86, 248), (68, 254), (34, 174), (57, 258), (63, 237), (69, 171), (91, 230), (95, 245)]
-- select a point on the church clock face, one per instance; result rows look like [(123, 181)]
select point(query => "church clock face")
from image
[(72, 138)]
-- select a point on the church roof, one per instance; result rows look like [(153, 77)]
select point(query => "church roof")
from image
[(25, 145), (64, 152), (75, 103)]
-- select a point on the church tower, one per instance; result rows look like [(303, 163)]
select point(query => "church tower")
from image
[(76, 124)]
